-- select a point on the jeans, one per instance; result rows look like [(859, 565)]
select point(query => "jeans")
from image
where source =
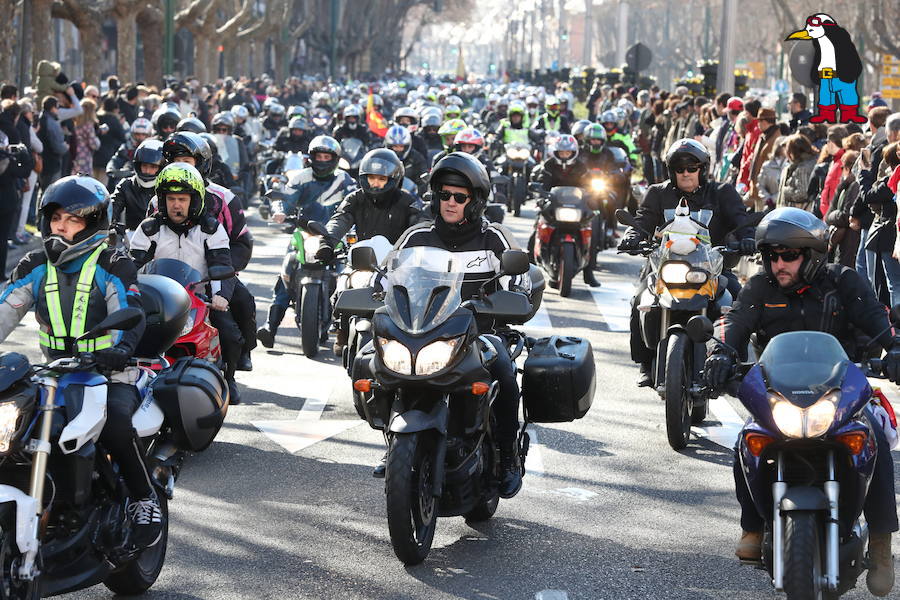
[(861, 254), (891, 272), (834, 91)]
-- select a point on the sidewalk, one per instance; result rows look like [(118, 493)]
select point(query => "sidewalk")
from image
[(15, 254)]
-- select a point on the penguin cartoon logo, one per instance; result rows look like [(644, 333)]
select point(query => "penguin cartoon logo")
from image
[(836, 67)]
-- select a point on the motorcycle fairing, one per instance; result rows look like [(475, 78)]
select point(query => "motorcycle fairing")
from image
[(88, 423)]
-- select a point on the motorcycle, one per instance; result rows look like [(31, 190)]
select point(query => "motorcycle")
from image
[(291, 163), (684, 279), (424, 382), (807, 453), (515, 163), (562, 240), (602, 198), (64, 523)]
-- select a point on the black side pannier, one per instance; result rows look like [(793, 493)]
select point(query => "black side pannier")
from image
[(194, 397), (559, 380)]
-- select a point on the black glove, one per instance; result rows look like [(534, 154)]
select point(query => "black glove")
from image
[(718, 370), (630, 244), (748, 246), (325, 254), (114, 359), (891, 364)]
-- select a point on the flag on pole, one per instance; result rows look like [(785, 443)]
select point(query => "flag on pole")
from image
[(374, 119)]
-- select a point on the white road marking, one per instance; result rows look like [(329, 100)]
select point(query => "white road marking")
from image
[(730, 424), (540, 320), (551, 595), (613, 298), (574, 493), (307, 429), (534, 462)]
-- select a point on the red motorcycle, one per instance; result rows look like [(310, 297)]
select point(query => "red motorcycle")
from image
[(198, 338)]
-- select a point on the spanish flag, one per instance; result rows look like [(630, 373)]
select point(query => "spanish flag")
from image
[(374, 119)]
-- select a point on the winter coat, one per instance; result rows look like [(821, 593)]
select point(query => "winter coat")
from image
[(795, 182)]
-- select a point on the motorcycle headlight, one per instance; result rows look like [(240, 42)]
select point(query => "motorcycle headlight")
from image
[(598, 185), (9, 418), (568, 215), (789, 418), (435, 356), (360, 279), (311, 245), (820, 415), (396, 356), (696, 277), (674, 272), (189, 324)]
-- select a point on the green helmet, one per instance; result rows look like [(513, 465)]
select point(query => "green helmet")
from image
[(595, 131), (516, 107), (452, 112), (449, 130), (181, 178)]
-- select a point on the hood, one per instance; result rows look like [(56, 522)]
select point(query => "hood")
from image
[(48, 68)]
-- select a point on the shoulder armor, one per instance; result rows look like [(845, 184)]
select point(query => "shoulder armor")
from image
[(151, 225)]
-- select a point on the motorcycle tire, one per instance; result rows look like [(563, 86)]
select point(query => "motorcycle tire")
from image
[(140, 573), (518, 196), (566, 269), (309, 320), (678, 399), (487, 504), (409, 489), (9, 553), (803, 557)]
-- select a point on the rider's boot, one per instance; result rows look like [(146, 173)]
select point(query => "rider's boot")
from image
[(266, 334)]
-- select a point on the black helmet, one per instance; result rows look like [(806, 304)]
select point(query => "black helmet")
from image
[(165, 117), (192, 124), (223, 119), (464, 170), (84, 197), (789, 227), (211, 142), (381, 161), (685, 152), (580, 126), (150, 152), (185, 143), (324, 143)]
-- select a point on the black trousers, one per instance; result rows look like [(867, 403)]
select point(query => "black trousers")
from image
[(121, 440), (506, 406), (243, 308), (230, 338), (880, 507)]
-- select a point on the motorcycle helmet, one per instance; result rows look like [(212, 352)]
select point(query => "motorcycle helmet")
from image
[(210, 140), (352, 111), (551, 104), (150, 152), (685, 152), (579, 127), (165, 120), (223, 119), (449, 130), (142, 127), (329, 145), (408, 113), (493, 98), (469, 135), (594, 131), (464, 170), (452, 112), (398, 135), (532, 105), (621, 116), (298, 123), (185, 179), (794, 228), (296, 111), (454, 100), (82, 196), (275, 110), (185, 143), (240, 113), (192, 124), (608, 120), (566, 142), (377, 102), (381, 161), (516, 108)]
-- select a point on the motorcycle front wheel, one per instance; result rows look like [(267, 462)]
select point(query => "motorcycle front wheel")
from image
[(518, 196), (309, 320), (140, 573), (409, 487), (679, 403), (803, 558), (13, 589), (566, 269)]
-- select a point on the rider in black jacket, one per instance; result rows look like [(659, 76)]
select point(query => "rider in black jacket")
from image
[(132, 195), (687, 161)]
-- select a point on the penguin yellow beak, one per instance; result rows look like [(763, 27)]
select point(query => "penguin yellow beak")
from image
[(799, 35)]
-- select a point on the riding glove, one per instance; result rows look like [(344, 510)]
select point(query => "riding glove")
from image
[(114, 359), (630, 244), (892, 363), (325, 254), (718, 370), (748, 246)]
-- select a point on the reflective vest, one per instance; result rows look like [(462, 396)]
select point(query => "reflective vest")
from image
[(553, 125), (511, 135), (56, 340)]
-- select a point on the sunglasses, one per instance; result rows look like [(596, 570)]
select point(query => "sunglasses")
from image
[(220, 130), (787, 256), (458, 197), (691, 169), (816, 22)]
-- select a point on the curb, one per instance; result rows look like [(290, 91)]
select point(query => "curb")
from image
[(14, 255)]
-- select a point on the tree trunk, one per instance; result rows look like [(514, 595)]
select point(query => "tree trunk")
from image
[(9, 39), (152, 34), (201, 58), (89, 33), (126, 42), (41, 35)]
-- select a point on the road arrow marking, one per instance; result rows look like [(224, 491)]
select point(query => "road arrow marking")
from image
[(307, 429)]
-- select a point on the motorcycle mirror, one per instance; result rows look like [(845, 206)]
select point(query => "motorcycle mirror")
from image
[(219, 272), (126, 318), (364, 259), (535, 187), (699, 328), (626, 218), (514, 262)]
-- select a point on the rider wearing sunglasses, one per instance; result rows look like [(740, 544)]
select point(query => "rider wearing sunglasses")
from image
[(799, 291), (687, 162)]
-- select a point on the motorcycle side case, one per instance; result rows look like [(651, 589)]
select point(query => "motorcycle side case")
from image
[(559, 381), (167, 306), (194, 397)]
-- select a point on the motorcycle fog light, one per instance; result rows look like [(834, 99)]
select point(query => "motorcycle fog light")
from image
[(568, 215), (396, 356), (360, 279), (435, 356), (696, 277), (789, 418), (674, 272), (311, 245), (820, 416), (9, 417), (189, 324), (598, 185)]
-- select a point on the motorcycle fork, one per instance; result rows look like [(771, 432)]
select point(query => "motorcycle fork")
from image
[(779, 489), (832, 528)]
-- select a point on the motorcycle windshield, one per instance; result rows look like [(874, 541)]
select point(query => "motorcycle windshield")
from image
[(423, 287), (172, 268), (351, 148), (702, 257), (568, 196), (804, 365), (293, 161), (702, 217)]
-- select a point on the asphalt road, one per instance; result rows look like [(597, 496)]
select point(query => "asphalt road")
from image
[(607, 511)]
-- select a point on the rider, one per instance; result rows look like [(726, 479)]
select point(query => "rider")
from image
[(514, 128), (165, 120), (610, 121), (184, 230), (799, 291), (141, 129), (687, 162), (460, 191), (275, 118), (551, 119), (74, 226), (409, 118), (353, 126), (132, 195), (399, 139), (315, 192), (295, 137)]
